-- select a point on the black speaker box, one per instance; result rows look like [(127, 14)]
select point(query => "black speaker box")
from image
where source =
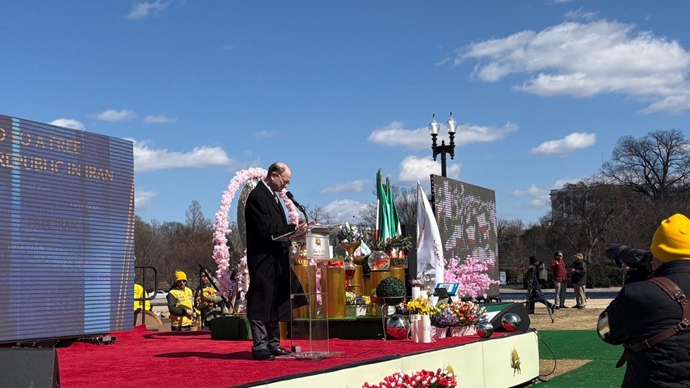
[(29, 367), (515, 308)]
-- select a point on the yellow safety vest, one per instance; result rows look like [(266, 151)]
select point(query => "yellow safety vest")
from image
[(139, 293), (185, 300)]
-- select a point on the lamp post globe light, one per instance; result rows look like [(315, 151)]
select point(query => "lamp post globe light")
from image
[(444, 148)]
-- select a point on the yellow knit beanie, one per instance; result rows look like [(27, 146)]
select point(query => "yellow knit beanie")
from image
[(672, 239), (179, 275)]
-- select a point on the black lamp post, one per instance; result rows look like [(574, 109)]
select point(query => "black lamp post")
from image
[(443, 149)]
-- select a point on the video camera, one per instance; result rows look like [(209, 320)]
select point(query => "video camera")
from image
[(638, 261)]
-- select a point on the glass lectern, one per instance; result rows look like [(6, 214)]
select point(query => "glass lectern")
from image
[(309, 335)]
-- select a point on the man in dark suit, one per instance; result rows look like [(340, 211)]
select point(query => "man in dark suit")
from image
[(268, 298)]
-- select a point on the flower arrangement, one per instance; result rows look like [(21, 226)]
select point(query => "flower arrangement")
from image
[(352, 299), (349, 233), (399, 243), (427, 379), (417, 282), (420, 306), (445, 317), (470, 275), (468, 313)]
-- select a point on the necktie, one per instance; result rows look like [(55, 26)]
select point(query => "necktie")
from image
[(275, 197)]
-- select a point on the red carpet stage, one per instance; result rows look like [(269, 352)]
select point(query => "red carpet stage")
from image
[(142, 358)]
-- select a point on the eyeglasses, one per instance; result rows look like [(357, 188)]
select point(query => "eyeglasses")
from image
[(182, 281), (283, 181)]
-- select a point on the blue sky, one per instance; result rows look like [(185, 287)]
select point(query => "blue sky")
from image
[(541, 90)]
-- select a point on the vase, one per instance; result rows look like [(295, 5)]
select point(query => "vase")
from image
[(350, 248), (415, 327), (439, 332), (463, 331)]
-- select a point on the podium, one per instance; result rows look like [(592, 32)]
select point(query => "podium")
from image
[(309, 324)]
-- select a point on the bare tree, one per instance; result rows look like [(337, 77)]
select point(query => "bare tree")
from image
[(320, 215), (656, 165), (150, 249), (587, 212), (367, 216)]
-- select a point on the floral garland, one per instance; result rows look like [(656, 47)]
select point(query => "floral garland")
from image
[(221, 255), (438, 379), (470, 275)]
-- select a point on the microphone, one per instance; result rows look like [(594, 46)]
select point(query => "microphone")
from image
[(300, 207)]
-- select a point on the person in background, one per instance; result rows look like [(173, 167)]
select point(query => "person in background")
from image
[(213, 305), (235, 298), (578, 277), (534, 292), (648, 321), (559, 274), (268, 298), (138, 294), (181, 304)]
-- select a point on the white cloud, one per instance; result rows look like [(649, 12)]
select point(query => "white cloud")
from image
[(113, 116), (142, 10), (347, 187), (147, 159), (395, 135), (144, 199), (158, 119), (568, 144), (68, 123), (586, 59), (266, 134), (537, 197), (345, 209), (579, 14), (413, 169)]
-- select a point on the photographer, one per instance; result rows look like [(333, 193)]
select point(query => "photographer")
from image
[(645, 318)]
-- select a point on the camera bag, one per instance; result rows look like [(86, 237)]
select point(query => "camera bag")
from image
[(679, 296)]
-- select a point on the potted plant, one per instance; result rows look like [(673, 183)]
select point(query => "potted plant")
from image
[(356, 304), (391, 291)]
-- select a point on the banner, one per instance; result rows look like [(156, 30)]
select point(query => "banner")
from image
[(429, 246)]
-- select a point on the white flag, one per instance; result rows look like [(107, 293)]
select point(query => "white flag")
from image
[(429, 247)]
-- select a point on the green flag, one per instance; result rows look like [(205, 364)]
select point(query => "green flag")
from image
[(393, 220), (381, 214)]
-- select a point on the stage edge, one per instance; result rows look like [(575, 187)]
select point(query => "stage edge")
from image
[(506, 361)]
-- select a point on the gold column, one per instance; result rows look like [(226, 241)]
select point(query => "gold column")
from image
[(398, 273), (357, 281), (376, 277), (335, 287), (306, 274)]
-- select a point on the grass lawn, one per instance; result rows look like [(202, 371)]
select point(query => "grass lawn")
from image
[(557, 346)]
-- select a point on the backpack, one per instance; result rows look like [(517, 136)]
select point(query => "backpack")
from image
[(542, 273)]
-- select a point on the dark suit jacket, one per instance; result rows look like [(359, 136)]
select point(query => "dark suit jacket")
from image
[(268, 298)]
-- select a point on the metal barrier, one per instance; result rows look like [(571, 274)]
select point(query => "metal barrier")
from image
[(145, 297)]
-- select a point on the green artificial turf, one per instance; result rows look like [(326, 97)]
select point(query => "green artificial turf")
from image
[(581, 345)]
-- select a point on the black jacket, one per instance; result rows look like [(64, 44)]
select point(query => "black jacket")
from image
[(579, 277), (268, 297), (642, 310)]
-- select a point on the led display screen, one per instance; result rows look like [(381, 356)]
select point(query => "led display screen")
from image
[(67, 232), (467, 223)]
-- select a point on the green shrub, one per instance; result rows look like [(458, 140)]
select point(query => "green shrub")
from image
[(604, 275), (391, 287)]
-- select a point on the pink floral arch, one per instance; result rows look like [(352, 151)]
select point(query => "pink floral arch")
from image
[(221, 228)]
